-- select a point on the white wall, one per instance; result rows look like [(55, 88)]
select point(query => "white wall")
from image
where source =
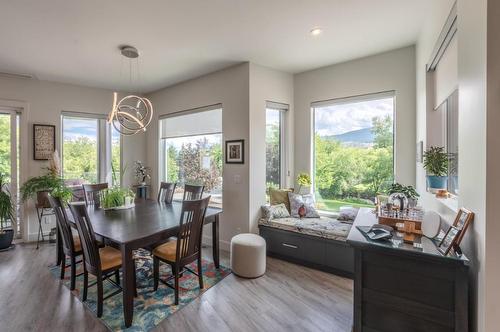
[(266, 85), (229, 87), (394, 70), (43, 102)]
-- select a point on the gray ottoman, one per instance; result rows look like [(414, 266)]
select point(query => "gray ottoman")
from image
[(248, 255)]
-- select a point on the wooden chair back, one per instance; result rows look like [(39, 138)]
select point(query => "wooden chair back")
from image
[(190, 230), (63, 224), (166, 192), (87, 238), (192, 193), (93, 193)]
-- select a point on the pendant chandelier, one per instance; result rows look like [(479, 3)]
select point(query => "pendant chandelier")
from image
[(130, 114)]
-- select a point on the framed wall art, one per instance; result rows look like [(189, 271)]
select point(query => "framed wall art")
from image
[(44, 141), (235, 152)]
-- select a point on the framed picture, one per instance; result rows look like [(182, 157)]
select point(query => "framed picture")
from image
[(235, 152), (462, 221), (449, 240), (44, 141)]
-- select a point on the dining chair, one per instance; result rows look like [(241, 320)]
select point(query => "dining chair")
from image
[(71, 242), (185, 249), (93, 192), (192, 192), (166, 192), (100, 262)]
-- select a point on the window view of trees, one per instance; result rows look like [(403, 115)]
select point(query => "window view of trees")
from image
[(273, 143), (115, 157), (353, 153), (195, 160), (80, 149), (5, 144)]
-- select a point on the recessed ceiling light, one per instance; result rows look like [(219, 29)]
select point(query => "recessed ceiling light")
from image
[(316, 32)]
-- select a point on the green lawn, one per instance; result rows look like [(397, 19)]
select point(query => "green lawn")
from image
[(335, 204)]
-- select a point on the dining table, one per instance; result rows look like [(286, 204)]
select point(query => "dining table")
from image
[(147, 223)]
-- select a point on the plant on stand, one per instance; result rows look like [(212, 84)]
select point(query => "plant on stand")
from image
[(6, 214), (436, 164), (141, 172)]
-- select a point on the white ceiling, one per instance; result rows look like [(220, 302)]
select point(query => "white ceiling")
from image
[(77, 41)]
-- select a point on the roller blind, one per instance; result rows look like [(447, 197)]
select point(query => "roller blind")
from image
[(192, 123), (446, 73)]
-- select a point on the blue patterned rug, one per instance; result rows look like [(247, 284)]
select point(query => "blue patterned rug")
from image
[(150, 307)]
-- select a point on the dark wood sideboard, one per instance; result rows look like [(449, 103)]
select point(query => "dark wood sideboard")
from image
[(402, 288)]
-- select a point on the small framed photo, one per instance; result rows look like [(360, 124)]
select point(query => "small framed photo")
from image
[(44, 141), (462, 221), (235, 152), (449, 240)]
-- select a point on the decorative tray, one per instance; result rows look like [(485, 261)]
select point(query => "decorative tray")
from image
[(123, 207)]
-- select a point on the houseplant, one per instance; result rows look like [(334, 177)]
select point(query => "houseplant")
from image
[(303, 180), (6, 213), (116, 197), (408, 191), (141, 172), (436, 165)]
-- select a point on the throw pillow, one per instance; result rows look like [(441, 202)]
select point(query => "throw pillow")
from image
[(348, 214), (279, 196), (270, 212), (297, 200)]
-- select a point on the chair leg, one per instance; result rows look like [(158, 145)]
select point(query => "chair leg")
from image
[(135, 280), (73, 272), (63, 266), (99, 296), (176, 286), (85, 283), (156, 272), (200, 272), (117, 276)]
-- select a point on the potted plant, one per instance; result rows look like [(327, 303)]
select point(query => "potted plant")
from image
[(436, 165), (6, 214), (40, 186), (141, 172), (408, 191), (303, 180), (117, 198)]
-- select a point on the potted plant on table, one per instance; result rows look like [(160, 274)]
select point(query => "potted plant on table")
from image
[(436, 165), (117, 198), (6, 214), (408, 191)]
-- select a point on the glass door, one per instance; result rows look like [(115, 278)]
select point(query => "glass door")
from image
[(9, 161)]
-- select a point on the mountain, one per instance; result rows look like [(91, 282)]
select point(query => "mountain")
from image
[(364, 135)]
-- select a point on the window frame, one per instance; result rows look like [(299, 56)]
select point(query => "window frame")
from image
[(162, 142), (349, 100), (104, 151), (283, 114)]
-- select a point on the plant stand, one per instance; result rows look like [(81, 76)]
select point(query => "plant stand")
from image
[(42, 212)]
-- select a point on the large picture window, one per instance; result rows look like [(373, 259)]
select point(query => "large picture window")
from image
[(353, 150), (191, 151), (91, 149), (275, 163)]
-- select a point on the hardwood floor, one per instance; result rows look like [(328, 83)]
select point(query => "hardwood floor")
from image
[(287, 298)]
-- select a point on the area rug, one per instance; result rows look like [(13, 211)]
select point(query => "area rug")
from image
[(150, 307)]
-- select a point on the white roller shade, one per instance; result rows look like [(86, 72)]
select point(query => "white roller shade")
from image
[(446, 73), (192, 123)]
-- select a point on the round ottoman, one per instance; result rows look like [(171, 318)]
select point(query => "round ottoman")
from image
[(248, 255)]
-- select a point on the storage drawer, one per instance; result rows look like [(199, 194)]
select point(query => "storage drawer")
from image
[(283, 243)]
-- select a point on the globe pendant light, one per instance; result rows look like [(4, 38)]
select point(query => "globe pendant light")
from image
[(131, 114)]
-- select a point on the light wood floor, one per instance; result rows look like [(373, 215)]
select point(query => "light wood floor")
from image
[(287, 298)]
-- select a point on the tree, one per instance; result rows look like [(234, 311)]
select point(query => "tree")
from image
[(382, 130), (5, 154), (80, 159), (273, 155)]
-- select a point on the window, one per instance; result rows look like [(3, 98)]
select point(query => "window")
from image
[(80, 149), (275, 165), (191, 151), (91, 149), (353, 150)]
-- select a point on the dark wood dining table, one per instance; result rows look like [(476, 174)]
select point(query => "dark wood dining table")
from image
[(146, 224)]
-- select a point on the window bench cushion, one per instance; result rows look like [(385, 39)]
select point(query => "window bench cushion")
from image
[(325, 227)]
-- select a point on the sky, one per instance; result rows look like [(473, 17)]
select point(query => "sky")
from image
[(342, 118), (81, 127)]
